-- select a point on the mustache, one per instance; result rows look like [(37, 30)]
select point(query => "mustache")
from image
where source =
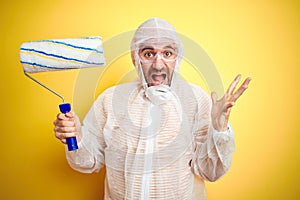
[(158, 72), (158, 69)]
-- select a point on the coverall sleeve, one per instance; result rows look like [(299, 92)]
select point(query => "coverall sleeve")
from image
[(212, 149), (89, 157)]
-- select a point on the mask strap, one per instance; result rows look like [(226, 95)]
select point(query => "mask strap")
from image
[(175, 72), (140, 69)]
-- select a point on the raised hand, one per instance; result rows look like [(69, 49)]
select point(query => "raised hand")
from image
[(221, 108)]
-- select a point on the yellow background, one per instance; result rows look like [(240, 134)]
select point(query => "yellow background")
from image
[(255, 38)]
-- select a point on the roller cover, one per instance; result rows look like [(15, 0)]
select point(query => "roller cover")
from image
[(61, 54)]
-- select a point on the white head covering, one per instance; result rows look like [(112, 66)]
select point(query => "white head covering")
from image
[(152, 31), (156, 28)]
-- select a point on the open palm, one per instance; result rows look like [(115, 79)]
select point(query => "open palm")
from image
[(221, 108)]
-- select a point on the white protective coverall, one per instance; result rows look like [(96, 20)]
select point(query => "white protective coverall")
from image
[(153, 149)]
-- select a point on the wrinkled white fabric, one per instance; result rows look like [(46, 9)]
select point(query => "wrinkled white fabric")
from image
[(153, 151), (153, 140)]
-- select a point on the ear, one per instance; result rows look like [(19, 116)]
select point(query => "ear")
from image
[(133, 57)]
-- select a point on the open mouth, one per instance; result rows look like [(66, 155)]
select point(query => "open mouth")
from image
[(158, 78)]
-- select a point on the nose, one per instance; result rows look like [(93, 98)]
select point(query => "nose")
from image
[(158, 63)]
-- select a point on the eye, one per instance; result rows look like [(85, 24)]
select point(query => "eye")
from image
[(148, 55), (168, 54)]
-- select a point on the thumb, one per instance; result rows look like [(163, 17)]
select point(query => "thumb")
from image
[(214, 97), (71, 114)]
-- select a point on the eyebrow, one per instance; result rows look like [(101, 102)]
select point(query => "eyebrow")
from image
[(147, 48), (152, 48), (169, 47)]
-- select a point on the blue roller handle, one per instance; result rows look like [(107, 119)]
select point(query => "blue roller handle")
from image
[(71, 141)]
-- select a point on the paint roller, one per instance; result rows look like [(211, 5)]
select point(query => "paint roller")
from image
[(61, 54)]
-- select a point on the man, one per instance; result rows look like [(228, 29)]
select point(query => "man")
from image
[(155, 134)]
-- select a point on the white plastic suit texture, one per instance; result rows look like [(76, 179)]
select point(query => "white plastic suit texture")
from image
[(153, 150)]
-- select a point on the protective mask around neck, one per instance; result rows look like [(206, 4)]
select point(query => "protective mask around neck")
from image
[(159, 94)]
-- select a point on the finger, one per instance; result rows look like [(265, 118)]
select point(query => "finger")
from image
[(241, 89), (64, 141), (227, 106), (214, 97), (230, 104), (64, 123), (62, 116), (62, 136), (234, 84), (70, 114), (228, 113), (64, 129)]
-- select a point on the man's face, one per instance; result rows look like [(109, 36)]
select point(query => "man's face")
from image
[(158, 61)]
